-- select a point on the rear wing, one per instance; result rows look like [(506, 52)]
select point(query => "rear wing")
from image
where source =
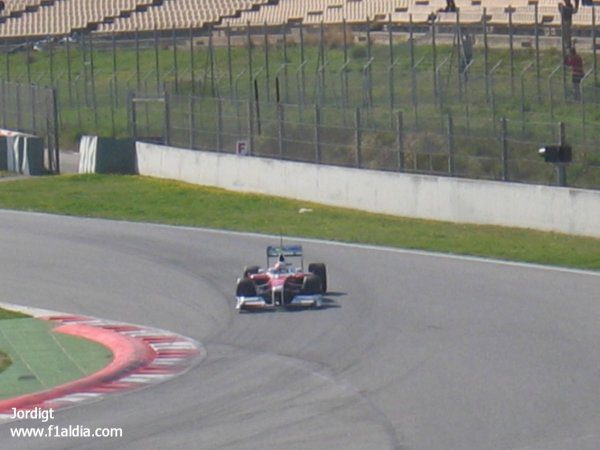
[(274, 251), (277, 251)]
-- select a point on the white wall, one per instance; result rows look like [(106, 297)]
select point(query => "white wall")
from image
[(564, 210)]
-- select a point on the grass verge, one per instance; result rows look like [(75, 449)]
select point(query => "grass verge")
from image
[(6, 314), (42, 359), (4, 361), (150, 200)]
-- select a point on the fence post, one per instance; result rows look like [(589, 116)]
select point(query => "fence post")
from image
[(504, 143), (391, 67), (594, 61), (400, 140), (317, 134), (511, 49), (285, 61), (302, 61), (4, 99), (249, 55), (486, 56), (229, 63), (267, 69), (280, 130), (167, 118), (175, 60), (19, 117), (537, 53), (138, 76), (191, 115), (69, 76), (32, 93), (51, 62), (250, 126), (561, 168), (357, 138), (113, 45), (131, 115), (434, 58), (157, 59), (56, 139), (219, 123), (28, 60), (451, 168)]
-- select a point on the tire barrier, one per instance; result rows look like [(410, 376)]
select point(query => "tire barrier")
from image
[(22, 153), (106, 155)]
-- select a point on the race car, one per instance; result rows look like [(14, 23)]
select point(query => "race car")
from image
[(281, 284)]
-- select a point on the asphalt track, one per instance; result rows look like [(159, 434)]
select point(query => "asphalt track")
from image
[(414, 351)]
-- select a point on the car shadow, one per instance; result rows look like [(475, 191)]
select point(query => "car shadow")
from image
[(336, 294), (328, 303)]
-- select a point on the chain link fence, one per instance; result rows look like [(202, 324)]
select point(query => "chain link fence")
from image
[(32, 110), (358, 137), (475, 73)]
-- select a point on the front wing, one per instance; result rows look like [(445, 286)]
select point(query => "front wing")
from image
[(259, 303)]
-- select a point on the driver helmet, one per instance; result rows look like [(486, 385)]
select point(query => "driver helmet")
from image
[(280, 266)]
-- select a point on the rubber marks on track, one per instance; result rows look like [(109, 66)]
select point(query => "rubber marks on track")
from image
[(142, 356)]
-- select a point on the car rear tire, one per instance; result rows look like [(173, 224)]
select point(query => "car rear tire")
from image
[(250, 270), (319, 270), (245, 288)]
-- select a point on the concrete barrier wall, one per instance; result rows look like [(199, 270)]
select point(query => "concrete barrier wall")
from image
[(563, 210)]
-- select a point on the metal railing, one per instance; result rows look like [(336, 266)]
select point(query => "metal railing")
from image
[(439, 145), (32, 109)]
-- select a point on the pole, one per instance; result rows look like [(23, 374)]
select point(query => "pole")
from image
[(250, 126), (114, 69), (280, 130), (317, 134), (357, 138), (219, 124), (249, 45), (167, 118), (229, 64), (302, 60), (537, 54), (93, 79), (594, 62), (156, 59), (55, 124), (69, 75), (267, 73), (486, 56), (257, 107), (285, 62), (504, 143), (400, 140), (137, 60), (28, 56), (322, 63), (191, 124), (511, 49), (434, 57), (391, 70), (175, 60), (211, 54), (451, 168), (561, 168)]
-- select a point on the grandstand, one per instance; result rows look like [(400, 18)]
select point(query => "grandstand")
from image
[(42, 18)]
